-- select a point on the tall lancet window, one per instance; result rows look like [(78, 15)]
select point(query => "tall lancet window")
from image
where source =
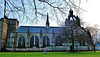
[(21, 42), (58, 41), (46, 41), (34, 41)]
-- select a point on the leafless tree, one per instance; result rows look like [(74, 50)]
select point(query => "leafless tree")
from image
[(74, 34), (35, 10), (72, 30), (94, 33)]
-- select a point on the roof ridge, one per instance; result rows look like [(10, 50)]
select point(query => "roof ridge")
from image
[(40, 26)]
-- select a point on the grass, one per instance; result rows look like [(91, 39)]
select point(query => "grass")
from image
[(51, 54)]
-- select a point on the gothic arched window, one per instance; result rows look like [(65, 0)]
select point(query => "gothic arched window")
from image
[(58, 41), (46, 41), (32, 41), (21, 42), (36, 41)]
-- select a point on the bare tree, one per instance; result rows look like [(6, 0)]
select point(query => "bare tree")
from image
[(74, 34), (72, 30), (93, 32), (35, 10)]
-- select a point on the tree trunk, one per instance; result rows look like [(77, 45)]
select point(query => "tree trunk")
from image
[(4, 8), (72, 45), (72, 42), (94, 48)]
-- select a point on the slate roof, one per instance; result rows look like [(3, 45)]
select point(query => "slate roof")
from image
[(36, 29)]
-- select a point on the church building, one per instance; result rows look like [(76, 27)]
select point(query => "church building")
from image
[(39, 38)]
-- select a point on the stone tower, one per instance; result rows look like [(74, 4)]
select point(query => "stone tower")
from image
[(6, 27), (72, 20), (3, 33)]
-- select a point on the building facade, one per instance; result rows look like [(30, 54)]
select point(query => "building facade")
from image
[(6, 27), (39, 38)]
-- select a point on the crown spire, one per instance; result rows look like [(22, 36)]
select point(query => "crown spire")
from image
[(71, 12)]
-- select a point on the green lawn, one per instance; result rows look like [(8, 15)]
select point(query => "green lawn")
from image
[(50, 54)]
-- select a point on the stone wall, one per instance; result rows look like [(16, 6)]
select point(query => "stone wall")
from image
[(6, 27), (0, 33), (0, 29), (52, 48), (13, 24), (17, 24), (4, 34), (64, 47)]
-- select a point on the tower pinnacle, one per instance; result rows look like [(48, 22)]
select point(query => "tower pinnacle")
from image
[(71, 13), (47, 22)]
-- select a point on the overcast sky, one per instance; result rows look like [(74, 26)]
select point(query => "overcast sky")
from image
[(92, 13), (91, 16)]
